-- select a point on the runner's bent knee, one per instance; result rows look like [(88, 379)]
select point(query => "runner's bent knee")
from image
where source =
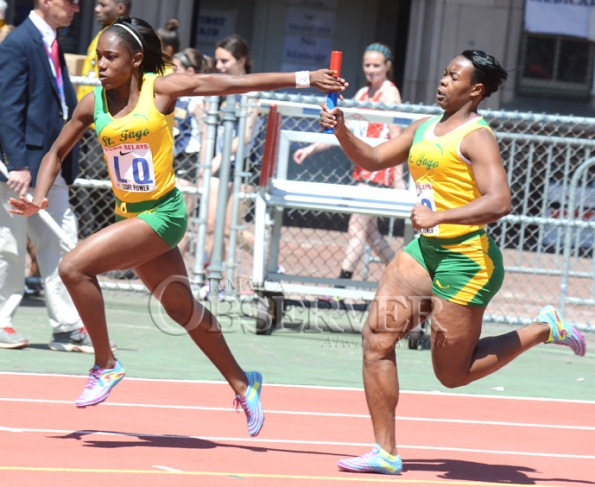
[(378, 345)]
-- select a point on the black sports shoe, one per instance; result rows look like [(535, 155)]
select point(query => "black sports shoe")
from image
[(74, 341), (33, 286)]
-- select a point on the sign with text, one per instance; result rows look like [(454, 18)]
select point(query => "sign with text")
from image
[(318, 22), (307, 49), (214, 25), (571, 18)]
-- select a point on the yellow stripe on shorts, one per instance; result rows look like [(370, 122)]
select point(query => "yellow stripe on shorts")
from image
[(475, 249)]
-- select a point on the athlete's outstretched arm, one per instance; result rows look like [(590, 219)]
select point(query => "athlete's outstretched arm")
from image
[(183, 84), (82, 118), (388, 154)]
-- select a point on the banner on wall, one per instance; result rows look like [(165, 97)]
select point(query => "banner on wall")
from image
[(307, 49), (214, 25), (575, 18), (306, 21), (310, 26)]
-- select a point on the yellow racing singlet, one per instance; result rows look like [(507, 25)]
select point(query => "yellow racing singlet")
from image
[(443, 177), (138, 147)]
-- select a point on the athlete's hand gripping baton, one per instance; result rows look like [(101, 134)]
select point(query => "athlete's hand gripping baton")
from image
[(332, 97)]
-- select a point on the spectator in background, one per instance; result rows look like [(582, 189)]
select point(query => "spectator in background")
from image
[(378, 68), (188, 129), (170, 40), (33, 281), (37, 100), (188, 114), (33, 285), (5, 28), (209, 63), (232, 56), (3, 7), (106, 12)]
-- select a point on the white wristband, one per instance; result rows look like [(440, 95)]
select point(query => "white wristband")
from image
[(302, 79)]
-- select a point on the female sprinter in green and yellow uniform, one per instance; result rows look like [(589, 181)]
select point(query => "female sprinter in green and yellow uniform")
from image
[(464, 261), (138, 152), (454, 268), (133, 112)]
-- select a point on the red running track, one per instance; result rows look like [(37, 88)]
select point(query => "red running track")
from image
[(177, 433)]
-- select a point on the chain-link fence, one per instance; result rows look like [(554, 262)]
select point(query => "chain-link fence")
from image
[(540, 152)]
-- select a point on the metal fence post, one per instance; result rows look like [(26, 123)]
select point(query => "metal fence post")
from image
[(207, 153), (239, 175), (578, 173), (216, 267)]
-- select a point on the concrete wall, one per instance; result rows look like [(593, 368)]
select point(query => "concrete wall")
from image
[(354, 29), (442, 29), (156, 12), (439, 30)]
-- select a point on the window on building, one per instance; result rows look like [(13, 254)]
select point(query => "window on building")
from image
[(557, 66)]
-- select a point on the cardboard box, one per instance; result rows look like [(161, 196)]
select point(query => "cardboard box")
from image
[(75, 62)]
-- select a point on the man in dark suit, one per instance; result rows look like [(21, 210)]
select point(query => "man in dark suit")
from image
[(36, 99)]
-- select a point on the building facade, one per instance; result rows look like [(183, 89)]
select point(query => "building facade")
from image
[(548, 71)]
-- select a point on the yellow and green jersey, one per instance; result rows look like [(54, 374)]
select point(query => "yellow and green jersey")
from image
[(138, 147), (443, 177)]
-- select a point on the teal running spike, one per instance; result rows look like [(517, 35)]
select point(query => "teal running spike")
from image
[(251, 403), (375, 461), (562, 332), (100, 383)]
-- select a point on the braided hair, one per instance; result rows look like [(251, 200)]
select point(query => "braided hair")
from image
[(486, 70)]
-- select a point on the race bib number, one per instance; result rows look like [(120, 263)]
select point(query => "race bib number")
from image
[(425, 196), (131, 167)]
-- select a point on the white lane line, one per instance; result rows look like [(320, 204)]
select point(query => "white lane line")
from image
[(82, 433), (167, 469), (329, 388), (311, 413)]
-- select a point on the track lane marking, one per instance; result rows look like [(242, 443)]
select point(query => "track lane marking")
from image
[(167, 469), (347, 478), (314, 387), (310, 413)]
